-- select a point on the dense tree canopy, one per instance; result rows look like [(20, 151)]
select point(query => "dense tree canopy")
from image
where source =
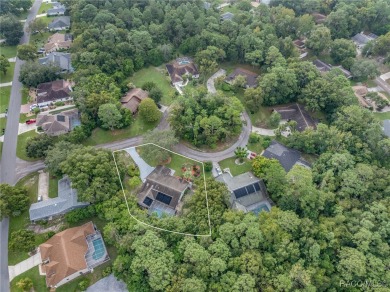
[(11, 28), (13, 200)]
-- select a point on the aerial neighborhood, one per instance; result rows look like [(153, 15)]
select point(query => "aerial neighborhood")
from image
[(194, 145)]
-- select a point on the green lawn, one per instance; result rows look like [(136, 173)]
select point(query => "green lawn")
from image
[(255, 147), (53, 187), (44, 7), (39, 281), (230, 66), (138, 127), (39, 39), (8, 51), (21, 145), (5, 93), (155, 75), (234, 168), (3, 122), (9, 75), (22, 221), (382, 116), (23, 118)]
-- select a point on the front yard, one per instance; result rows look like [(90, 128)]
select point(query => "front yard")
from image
[(100, 136), (382, 116), (39, 281), (21, 145), (5, 93), (4, 78), (234, 168), (8, 51), (156, 75)]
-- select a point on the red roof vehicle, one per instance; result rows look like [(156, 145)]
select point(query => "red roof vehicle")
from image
[(31, 121)]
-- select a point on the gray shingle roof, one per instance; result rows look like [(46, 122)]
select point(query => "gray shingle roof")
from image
[(286, 156), (63, 60), (59, 22), (65, 202), (227, 16), (56, 11)]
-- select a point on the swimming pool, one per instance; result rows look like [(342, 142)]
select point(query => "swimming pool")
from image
[(98, 246), (262, 207)]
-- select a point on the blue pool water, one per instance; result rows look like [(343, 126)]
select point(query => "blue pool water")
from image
[(98, 245), (262, 207)]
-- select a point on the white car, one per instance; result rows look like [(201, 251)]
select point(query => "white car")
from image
[(39, 198), (218, 169)]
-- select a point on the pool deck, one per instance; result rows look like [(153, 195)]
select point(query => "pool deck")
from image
[(89, 256)]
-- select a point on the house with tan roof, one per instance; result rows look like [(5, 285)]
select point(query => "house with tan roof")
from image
[(301, 47), (58, 124), (133, 98), (250, 77), (162, 192), (51, 92), (58, 41), (181, 67), (71, 253)]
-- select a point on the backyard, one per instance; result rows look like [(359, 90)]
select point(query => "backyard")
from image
[(156, 75), (100, 136)]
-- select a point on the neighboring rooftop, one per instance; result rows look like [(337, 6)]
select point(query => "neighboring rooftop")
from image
[(71, 253), (65, 202), (53, 91), (58, 124), (363, 38), (59, 23), (251, 77), (323, 68), (58, 41), (286, 156), (133, 98), (61, 60), (180, 67), (162, 192), (247, 192), (300, 45), (319, 18), (296, 113), (227, 16)]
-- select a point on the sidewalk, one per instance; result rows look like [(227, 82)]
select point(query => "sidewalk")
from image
[(23, 128), (24, 266), (6, 84)]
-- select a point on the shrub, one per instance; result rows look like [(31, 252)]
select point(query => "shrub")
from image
[(50, 234), (22, 240), (226, 87), (25, 284), (254, 138), (84, 284), (133, 170), (134, 182), (208, 166), (274, 120), (148, 86), (77, 215), (266, 142), (107, 271), (59, 103)]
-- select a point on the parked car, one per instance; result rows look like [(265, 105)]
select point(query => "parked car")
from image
[(39, 198), (253, 155), (218, 169), (33, 106), (30, 121)]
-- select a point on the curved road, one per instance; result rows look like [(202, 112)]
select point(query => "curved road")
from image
[(8, 159)]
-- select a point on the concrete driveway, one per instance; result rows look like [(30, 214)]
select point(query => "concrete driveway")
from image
[(109, 283), (24, 266), (210, 81), (144, 168), (262, 131)]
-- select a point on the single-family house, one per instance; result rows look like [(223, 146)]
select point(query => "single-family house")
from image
[(58, 41), (72, 253), (133, 98), (300, 45), (58, 9), (247, 192), (53, 207), (386, 127), (62, 60), (250, 77), (362, 38), (181, 67), (59, 23), (319, 18), (58, 124), (50, 92), (286, 156), (161, 193), (323, 68), (227, 16), (297, 113)]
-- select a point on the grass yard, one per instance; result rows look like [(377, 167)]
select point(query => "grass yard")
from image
[(138, 127), (39, 281), (3, 122), (230, 66), (382, 116), (44, 7), (234, 168), (39, 39), (5, 93), (24, 117), (53, 187), (21, 145), (8, 51), (4, 78), (153, 74), (255, 147)]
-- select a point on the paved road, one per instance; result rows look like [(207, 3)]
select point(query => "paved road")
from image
[(8, 159)]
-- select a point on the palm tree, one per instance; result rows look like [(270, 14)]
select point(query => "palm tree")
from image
[(241, 153)]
